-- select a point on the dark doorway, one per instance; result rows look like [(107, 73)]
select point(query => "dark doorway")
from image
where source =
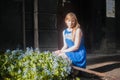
[(91, 16), (11, 35), (82, 9)]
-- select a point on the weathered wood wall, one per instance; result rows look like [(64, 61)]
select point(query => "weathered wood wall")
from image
[(101, 33)]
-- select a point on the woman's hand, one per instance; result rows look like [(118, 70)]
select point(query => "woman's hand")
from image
[(57, 51)]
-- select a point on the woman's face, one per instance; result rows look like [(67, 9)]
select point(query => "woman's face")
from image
[(70, 22)]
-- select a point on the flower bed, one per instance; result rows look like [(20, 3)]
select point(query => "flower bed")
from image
[(33, 65)]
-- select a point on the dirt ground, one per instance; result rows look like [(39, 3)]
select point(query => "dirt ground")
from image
[(110, 75), (115, 73), (108, 64)]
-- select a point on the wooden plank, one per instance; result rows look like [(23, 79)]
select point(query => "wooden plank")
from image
[(93, 66), (90, 71)]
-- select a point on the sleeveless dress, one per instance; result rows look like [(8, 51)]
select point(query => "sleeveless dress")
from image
[(77, 57)]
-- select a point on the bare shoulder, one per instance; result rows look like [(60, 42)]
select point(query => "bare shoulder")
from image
[(78, 30), (63, 31)]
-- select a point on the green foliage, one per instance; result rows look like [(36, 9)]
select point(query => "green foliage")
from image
[(33, 65)]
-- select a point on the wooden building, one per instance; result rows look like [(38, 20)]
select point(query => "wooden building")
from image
[(39, 23)]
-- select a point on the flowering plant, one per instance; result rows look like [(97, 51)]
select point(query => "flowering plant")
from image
[(33, 65)]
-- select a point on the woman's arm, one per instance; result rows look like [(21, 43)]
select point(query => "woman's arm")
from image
[(64, 45), (78, 35)]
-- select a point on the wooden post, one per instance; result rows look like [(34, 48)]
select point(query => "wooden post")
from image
[(90, 71), (36, 41), (24, 37)]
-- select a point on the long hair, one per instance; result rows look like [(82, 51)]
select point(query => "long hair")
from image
[(71, 15)]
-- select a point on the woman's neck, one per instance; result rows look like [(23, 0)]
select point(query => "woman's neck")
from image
[(70, 29)]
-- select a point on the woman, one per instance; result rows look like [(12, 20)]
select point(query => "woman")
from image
[(73, 47)]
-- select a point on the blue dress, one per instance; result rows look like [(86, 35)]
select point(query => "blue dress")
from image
[(77, 57)]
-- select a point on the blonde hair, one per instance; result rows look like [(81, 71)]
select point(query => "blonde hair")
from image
[(71, 15)]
